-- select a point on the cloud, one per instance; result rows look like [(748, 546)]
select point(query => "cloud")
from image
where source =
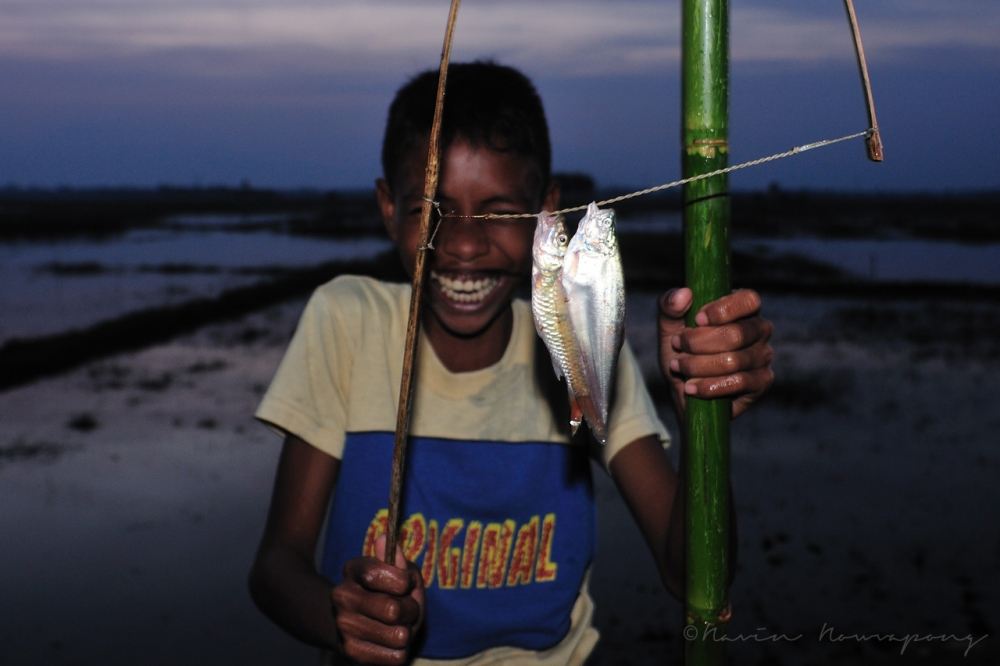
[(558, 37), (356, 32), (892, 32)]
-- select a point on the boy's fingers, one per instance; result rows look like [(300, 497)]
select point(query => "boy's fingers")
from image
[(740, 304), (370, 652), (384, 608), (406, 613), (725, 338), (725, 363), (359, 627), (738, 384)]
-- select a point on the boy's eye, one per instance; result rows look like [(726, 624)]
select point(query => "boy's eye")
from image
[(414, 212)]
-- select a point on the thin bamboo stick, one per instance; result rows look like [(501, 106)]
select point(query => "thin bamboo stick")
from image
[(705, 72), (874, 140), (416, 297)]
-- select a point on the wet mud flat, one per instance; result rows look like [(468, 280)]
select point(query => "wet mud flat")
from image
[(135, 481), (865, 492), (136, 485)]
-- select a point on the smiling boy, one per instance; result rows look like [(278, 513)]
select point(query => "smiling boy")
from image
[(497, 536)]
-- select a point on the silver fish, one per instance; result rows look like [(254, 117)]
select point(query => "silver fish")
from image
[(594, 283), (550, 309)]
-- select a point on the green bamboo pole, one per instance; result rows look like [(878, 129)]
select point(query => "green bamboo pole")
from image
[(705, 84)]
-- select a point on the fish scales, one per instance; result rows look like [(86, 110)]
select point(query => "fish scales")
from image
[(550, 309), (594, 285)]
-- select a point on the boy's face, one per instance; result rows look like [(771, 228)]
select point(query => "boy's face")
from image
[(475, 265)]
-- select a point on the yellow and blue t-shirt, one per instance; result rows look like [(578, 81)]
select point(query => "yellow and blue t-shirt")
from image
[(498, 509)]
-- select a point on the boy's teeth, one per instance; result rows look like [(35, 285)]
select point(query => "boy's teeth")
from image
[(465, 290)]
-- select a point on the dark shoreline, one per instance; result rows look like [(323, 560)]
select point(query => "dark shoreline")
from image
[(44, 214)]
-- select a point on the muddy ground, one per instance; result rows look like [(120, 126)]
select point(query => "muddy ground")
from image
[(134, 489)]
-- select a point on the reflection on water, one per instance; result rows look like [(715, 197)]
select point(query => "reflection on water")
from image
[(668, 222), (898, 259), (901, 260), (95, 280), (245, 221)]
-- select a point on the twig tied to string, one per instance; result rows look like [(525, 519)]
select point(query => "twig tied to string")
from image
[(413, 324), (796, 150)]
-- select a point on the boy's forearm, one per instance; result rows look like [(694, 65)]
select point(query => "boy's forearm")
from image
[(672, 564), (287, 588), (649, 485)]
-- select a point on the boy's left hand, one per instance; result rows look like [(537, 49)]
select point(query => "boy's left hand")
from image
[(727, 355)]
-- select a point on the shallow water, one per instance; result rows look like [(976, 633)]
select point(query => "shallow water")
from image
[(60, 285), (901, 260), (891, 260), (55, 286)]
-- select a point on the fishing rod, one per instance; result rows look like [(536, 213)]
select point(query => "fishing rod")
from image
[(403, 411), (705, 454)]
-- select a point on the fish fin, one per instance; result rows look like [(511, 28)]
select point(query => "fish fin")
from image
[(598, 428)]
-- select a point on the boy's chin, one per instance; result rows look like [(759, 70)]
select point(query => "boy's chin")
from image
[(460, 321)]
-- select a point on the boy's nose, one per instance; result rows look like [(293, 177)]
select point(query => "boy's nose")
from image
[(462, 238)]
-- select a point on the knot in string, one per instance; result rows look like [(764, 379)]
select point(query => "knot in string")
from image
[(430, 241)]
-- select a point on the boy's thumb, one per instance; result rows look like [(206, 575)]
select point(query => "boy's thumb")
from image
[(675, 303), (380, 542)]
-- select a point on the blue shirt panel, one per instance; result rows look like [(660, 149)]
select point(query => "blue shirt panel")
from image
[(483, 482)]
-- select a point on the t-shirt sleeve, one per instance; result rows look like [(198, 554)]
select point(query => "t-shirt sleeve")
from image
[(633, 414), (308, 395)]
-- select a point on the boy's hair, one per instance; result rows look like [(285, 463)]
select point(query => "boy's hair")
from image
[(487, 104)]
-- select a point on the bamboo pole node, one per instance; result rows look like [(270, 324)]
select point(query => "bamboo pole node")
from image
[(413, 323)]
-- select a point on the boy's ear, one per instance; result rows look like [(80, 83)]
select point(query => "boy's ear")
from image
[(552, 195), (386, 207)]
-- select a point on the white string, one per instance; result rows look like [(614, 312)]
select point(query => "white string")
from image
[(666, 186)]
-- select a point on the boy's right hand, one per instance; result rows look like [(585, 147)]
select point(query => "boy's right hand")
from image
[(378, 608)]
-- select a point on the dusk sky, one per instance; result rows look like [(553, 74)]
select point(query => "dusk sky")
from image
[(293, 93)]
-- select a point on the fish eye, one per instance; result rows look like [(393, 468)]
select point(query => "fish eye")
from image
[(562, 239)]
